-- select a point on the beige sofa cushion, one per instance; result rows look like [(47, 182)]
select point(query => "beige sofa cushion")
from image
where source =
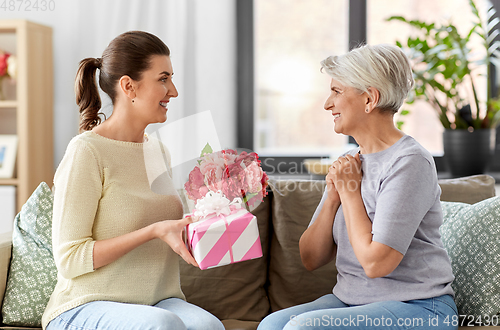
[(235, 291), (294, 203), (470, 189)]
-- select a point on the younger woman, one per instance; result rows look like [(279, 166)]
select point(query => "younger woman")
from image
[(115, 241)]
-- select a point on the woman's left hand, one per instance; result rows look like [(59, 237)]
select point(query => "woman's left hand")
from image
[(347, 174)]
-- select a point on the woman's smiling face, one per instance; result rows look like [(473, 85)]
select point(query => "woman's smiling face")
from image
[(347, 105), (154, 90)]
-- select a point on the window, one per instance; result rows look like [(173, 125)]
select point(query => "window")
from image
[(422, 123), (284, 113), (290, 90)]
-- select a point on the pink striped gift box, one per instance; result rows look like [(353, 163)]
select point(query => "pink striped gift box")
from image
[(221, 240)]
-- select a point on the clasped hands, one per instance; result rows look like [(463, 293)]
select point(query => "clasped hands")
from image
[(344, 177)]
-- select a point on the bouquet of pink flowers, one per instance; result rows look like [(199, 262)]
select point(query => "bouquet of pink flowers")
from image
[(8, 67), (235, 175), (8, 64)]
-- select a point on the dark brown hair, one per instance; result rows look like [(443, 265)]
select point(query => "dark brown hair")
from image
[(129, 54)]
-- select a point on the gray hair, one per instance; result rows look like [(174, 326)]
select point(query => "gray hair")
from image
[(384, 67)]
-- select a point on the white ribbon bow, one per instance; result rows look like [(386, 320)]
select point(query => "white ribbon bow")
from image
[(215, 202)]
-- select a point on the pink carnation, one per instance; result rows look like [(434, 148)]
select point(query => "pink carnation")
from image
[(195, 183), (214, 179), (231, 188), (248, 158), (253, 175), (211, 161)]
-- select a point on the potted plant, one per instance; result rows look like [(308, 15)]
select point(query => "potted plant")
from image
[(443, 66)]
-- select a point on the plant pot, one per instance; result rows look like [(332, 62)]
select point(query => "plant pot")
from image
[(468, 153)]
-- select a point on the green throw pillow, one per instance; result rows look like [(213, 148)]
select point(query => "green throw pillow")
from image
[(33, 273), (471, 235)]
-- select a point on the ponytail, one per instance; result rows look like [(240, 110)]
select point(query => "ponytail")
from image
[(87, 94)]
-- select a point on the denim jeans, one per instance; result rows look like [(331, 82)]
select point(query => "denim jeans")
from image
[(172, 313), (329, 312)]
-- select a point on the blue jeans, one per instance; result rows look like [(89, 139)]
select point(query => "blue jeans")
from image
[(329, 312), (172, 313)]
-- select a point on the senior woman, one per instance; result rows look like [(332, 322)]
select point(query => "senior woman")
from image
[(380, 214)]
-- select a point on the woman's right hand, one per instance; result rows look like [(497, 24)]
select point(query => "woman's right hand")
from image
[(170, 231), (333, 194)]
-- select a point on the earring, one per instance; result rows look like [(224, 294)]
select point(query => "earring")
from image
[(367, 110), (133, 101)]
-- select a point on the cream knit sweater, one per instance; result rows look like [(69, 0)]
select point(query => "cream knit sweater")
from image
[(102, 190)]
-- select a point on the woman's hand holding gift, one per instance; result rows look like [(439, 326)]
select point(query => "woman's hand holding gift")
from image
[(171, 232)]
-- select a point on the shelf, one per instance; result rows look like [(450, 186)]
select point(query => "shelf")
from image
[(28, 110), (8, 104), (9, 182)]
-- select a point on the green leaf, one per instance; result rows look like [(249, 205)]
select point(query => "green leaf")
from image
[(443, 61), (206, 150), (249, 197)]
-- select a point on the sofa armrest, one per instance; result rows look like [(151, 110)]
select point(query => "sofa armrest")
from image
[(5, 253)]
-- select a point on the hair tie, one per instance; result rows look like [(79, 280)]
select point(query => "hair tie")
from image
[(99, 62)]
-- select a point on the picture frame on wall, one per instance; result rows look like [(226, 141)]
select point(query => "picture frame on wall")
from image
[(8, 154)]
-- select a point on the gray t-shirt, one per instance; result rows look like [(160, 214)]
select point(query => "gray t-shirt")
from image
[(401, 197)]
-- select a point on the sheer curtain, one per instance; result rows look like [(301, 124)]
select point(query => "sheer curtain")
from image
[(98, 22), (201, 37)]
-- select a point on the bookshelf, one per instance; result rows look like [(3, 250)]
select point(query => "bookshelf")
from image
[(27, 110)]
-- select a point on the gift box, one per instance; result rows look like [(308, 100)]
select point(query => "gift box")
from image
[(219, 240)]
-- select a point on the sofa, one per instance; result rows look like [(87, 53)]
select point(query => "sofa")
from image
[(241, 294)]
